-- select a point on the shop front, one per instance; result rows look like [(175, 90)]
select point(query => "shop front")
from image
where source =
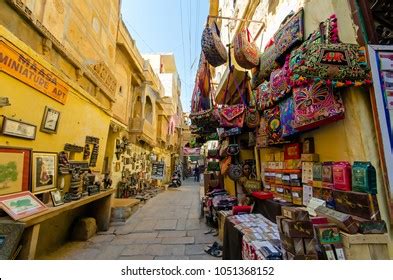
[(297, 142)]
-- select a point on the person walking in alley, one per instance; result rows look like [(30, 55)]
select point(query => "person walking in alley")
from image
[(196, 173)]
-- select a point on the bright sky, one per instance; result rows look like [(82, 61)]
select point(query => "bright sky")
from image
[(169, 26)]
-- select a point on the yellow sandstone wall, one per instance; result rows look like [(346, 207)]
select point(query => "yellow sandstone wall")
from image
[(28, 104)]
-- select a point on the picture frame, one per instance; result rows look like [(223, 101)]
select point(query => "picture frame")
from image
[(15, 163), (57, 199), (50, 120), (44, 172), (21, 205), (18, 129)]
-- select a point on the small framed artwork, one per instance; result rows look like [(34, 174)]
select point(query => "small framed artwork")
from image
[(50, 120), (21, 205), (14, 170), (57, 199), (18, 129), (44, 172)]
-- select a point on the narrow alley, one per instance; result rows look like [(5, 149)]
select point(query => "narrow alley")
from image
[(167, 227)]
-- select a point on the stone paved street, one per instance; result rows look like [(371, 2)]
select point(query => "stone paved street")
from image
[(167, 227)]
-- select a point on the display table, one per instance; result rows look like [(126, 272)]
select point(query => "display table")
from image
[(232, 244), (269, 208), (51, 228)]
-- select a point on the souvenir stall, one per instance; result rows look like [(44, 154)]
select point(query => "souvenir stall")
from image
[(279, 150)]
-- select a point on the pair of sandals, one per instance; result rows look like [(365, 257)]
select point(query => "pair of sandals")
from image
[(213, 231), (214, 250)]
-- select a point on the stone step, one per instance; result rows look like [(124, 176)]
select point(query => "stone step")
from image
[(122, 209)]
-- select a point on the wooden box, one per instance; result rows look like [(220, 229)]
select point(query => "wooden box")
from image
[(365, 246)]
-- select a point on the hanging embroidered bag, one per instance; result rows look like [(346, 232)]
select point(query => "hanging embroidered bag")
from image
[(261, 135), (213, 166), (280, 82), (235, 171), (264, 96), (267, 62), (289, 35), (339, 64), (287, 116), (273, 125), (233, 149), (212, 46), (315, 105), (246, 52), (224, 165)]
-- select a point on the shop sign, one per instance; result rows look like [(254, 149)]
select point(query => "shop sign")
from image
[(24, 68)]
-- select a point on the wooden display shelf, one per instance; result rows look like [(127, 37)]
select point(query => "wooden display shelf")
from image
[(101, 203), (55, 211)]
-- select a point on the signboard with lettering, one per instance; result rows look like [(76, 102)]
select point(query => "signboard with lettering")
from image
[(158, 170), (22, 67)]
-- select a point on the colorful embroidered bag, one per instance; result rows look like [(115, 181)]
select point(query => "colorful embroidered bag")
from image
[(338, 64), (232, 116), (289, 35), (235, 171), (224, 165), (212, 46), (261, 135), (246, 52), (273, 125), (213, 166), (267, 62), (223, 148), (280, 82), (233, 149), (316, 104), (264, 96), (287, 111)]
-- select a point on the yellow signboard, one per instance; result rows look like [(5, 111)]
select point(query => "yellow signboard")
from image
[(17, 64)]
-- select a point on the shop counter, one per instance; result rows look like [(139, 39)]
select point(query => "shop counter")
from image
[(50, 229)]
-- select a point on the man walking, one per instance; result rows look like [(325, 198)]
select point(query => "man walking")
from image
[(196, 173)]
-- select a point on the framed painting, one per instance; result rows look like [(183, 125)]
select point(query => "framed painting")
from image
[(21, 205), (19, 129), (50, 120), (14, 170), (44, 172), (57, 198)]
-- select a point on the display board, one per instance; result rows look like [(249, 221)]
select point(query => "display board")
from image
[(381, 62), (158, 170)]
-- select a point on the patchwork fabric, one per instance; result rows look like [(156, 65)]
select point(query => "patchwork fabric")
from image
[(212, 46), (232, 116), (316, 104), (287, 111), (246, 52), (289, 35)]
